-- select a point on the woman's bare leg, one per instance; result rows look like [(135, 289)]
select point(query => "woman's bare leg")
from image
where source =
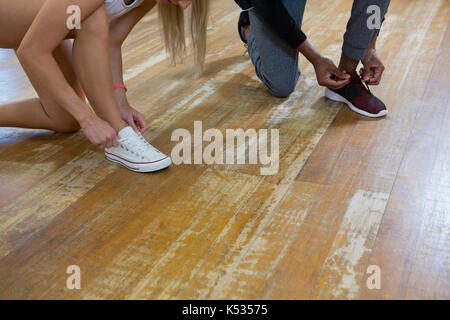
[(94, 73)]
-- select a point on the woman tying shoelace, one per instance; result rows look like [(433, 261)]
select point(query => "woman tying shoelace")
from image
[(64, 72)]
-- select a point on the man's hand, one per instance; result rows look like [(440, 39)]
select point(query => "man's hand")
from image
[(134, 119), (328, 75), (373, 68)]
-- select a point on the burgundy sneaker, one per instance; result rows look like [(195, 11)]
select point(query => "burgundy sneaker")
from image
[(358, 97), (243, 23)]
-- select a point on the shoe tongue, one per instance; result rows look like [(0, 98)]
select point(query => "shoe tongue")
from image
[(126, 132), (354, 75)]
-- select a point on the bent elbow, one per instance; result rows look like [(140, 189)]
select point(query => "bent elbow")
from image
[(24, 53)]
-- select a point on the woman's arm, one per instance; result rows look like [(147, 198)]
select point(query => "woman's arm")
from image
[(35, 53), (119, 31)]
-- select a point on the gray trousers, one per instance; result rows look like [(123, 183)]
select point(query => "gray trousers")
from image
[(276, 63)]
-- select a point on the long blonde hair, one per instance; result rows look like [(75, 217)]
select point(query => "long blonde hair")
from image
[(172, 20)]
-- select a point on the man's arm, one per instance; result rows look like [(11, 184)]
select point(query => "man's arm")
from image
[(373, 67)]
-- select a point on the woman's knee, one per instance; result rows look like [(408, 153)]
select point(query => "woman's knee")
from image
[(68, 127), (65, 125), (97, 24), (59, 119)]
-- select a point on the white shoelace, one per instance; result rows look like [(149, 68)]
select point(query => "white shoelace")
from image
[(139, 147)]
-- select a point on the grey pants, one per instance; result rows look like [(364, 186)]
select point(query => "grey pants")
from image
[(276, 63)]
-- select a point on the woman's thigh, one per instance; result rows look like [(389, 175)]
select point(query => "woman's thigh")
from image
[(15, 18)]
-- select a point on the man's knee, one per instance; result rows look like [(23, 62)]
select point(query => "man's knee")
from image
[(281, 88)]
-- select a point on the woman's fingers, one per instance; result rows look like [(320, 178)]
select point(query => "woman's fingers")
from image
[(100, 133), (112, 140), (142, 124), (108, 142), (132, 123), (115, 141)]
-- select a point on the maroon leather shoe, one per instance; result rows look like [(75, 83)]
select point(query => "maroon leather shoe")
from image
[(358, 97)]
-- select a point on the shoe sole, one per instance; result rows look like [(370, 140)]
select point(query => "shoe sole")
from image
[(338, 98), (137, 167)]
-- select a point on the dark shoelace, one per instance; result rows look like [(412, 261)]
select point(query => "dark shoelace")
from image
[(362, 83)]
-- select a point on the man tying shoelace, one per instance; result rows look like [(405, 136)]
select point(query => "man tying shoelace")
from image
[(272, 31)]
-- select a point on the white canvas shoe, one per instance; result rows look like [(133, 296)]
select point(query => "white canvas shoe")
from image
[(135, 153)]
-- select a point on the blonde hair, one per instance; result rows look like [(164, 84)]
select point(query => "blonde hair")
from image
[(172, 20)]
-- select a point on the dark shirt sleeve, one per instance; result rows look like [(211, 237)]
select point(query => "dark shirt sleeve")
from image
[(275, 15)]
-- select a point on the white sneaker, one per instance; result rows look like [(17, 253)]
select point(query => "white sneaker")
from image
[(135, 153)]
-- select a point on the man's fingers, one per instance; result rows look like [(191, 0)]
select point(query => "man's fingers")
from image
[(365, 74), (335, 84), (376, 76), (341, 84), (340, 74)]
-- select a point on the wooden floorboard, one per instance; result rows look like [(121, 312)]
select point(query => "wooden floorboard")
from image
[(350, 192)]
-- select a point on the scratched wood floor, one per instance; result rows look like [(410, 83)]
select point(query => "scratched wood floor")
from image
[(350, 192)]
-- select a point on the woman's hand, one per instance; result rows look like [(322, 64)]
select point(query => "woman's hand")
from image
[(328, 75), (134, 118), (99, 132), (373, 68)]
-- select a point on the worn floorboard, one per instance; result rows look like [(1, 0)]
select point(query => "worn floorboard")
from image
[(350, 192)]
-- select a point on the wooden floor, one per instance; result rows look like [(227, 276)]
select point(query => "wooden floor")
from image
[(350, 192)]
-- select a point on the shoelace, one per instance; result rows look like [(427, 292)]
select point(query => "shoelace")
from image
[(139, 147), (364, 85), (141, 137)]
